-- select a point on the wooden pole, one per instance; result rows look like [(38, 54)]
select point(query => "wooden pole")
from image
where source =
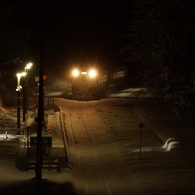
[(39, 159), (140, 126)]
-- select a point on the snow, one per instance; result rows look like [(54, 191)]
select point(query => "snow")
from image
[(133, 92), (107, 151)]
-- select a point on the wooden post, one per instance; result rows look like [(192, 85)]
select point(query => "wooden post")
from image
[(141, 126)]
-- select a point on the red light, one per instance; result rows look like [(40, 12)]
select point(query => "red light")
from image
[(44, 77)]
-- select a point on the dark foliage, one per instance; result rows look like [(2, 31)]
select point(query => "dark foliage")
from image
[(13, 48), (12, 36), (161, 40)]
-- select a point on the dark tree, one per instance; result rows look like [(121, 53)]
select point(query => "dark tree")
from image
[(161, 41), (12, 36), (13, 49)]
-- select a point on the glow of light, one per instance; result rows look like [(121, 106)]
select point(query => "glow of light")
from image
[(28, 66), (21, 74), (75, 73), (92, 73), (84, 73)]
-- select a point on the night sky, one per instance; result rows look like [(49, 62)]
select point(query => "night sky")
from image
[(77, 31)]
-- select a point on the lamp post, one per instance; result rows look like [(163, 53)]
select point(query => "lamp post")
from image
[(25, 91), (18, 89)]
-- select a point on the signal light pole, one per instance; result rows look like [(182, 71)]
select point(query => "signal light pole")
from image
[(39, 157)]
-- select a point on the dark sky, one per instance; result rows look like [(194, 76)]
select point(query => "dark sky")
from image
[(77, 31)]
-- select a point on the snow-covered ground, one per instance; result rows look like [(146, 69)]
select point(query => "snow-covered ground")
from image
[(107, 151), (104, 153)]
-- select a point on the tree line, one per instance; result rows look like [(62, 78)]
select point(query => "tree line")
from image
[(161, 42)]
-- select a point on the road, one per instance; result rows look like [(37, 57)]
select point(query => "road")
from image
[(99, 136)]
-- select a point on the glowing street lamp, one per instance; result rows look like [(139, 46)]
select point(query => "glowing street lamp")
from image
[(19, 75), (25, 90), (18, 89), (28, 66)]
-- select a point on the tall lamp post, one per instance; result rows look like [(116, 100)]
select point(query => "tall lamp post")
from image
[(25, 91), (18, 89)]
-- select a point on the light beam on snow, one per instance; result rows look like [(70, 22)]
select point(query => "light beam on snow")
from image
[(169, 144)]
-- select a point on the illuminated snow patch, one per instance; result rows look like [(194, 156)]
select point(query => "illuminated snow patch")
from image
[(53, 94), (58, 146), (169, 144), (132, 92), (7, 137)]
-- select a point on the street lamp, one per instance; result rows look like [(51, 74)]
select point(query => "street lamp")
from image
[(25, 90), (18, 89), (28, 66)]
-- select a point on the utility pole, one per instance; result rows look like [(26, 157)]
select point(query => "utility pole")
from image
[(24, 100), (18, 89), (39, 157), (25, 91), (141, 125), (18, 110)]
